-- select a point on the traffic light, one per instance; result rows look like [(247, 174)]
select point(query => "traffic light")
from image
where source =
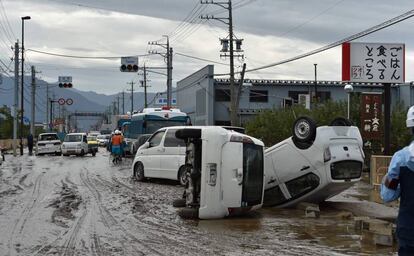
[(65, 85), (129, 64)]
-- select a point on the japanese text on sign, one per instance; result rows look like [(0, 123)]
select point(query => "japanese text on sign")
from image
[(374, 62), (371, 115)]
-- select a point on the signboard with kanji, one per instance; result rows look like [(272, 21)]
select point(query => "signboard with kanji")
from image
[(373, 62), (371, 116)]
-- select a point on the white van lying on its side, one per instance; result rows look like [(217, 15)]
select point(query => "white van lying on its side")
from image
[(314, 164), (225, 174)]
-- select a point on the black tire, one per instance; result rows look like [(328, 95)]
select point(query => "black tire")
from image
[(188, 213), (139, 174), (341, 121), (58, 153), (65, 155), (179, 203), (82, 153), (184, 134), (182, 176), (93, 153), (304, 130), (39, 154)]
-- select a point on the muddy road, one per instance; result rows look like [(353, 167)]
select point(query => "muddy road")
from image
[(86, 206)]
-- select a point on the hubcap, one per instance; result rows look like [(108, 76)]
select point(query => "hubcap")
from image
[(302, 130)]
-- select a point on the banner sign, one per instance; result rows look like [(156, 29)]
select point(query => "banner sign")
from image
[(371, 115), (373, 62)]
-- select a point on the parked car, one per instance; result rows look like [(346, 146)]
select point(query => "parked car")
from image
[(48, 143), (314, 164), (103, 140), (2, 158), (225, 173), (92, 144), (162, 156), (75, 144)]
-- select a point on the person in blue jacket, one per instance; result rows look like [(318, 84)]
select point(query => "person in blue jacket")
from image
[(399, 183)]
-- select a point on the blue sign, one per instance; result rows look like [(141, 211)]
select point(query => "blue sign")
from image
[(26, 120)]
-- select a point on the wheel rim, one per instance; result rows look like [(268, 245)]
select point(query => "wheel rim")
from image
[(302, 129), (139, 172)]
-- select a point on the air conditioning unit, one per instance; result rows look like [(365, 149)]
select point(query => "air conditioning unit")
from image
[(304, 100)]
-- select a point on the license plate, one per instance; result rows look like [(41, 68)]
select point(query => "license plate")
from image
[(49, 145)]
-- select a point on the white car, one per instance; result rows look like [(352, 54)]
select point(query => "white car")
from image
[(103, 140), (162, 156), (48, 143), (314, 164), (75, 144), (225, 171)]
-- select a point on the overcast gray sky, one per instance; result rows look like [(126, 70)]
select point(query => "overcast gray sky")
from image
[(272, 31)]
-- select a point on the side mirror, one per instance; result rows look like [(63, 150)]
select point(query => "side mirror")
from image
[(146, 145)]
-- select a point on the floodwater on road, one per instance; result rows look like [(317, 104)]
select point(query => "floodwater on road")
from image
[(52, 205)]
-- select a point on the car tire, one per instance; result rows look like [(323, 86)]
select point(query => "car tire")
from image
[(58, 153), (188, 213), (182, 176), (139, 174), (93, 153), (304, 130), (82, 153), (179, 203), (184, 134), (341, 121)]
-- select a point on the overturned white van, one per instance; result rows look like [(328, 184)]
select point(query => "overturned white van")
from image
[(225, 173), (314, 164)]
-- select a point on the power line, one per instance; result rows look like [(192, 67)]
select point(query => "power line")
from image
[(85, 57), (366, 32), (198, 58)]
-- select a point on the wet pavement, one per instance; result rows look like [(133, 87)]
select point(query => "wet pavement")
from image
[(53, 205)]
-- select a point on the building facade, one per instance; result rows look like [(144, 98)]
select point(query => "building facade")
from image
[(207, 99)]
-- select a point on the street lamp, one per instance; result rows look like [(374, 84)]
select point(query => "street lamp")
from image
[(22, 88), (348, 89)]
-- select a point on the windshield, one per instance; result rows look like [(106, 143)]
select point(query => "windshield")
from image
[(43, 137), (91, 138), (73, 138), (153, 126), (252, 174)]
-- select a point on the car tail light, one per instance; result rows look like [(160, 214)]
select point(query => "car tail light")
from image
[(241, 139), (326, 155)]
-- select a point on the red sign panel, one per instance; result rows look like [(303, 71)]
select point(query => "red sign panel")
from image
[(371, 116)]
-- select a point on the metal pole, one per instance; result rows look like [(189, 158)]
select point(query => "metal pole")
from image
[(168, 72), (316, 84), (145, 87), (233, 108), (51, 114), (47, 107), (387, 116), (123, 102), (21, 93), (16, 95), (32, 121), (349, 100), (132, 97)]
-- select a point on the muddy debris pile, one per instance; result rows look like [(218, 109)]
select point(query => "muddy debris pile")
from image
[(66, 204)]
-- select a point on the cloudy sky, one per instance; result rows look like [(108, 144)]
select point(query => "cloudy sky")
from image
[(273, 30)]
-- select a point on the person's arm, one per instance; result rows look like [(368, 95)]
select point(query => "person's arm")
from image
[(390, 187)]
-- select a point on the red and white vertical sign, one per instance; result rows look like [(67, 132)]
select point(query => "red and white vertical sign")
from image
[(373, 62)]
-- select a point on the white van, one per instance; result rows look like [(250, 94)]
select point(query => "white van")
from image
[(225, 173), (162, 156), (48, 143), (314, 164), (75, 144)]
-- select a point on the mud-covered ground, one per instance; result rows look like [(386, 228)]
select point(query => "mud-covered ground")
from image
[(86, 206)]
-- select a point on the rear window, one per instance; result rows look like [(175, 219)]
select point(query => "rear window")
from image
[(73, 138), (346, 170), (44, 137)]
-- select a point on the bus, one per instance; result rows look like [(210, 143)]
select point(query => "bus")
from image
[(148, 121)]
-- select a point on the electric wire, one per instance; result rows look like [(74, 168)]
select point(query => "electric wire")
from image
[(366, 32), (84, 57)]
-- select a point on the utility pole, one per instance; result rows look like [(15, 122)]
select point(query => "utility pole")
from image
[(144, 84), (32, 121), (16, 95), (316, 85), (132, 96), (47, 106), (123, 102), (117, 99), (226, 43), (168, 58)]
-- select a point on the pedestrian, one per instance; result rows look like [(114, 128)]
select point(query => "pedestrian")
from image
[(116, 143), (398, 183), (30, 143)]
